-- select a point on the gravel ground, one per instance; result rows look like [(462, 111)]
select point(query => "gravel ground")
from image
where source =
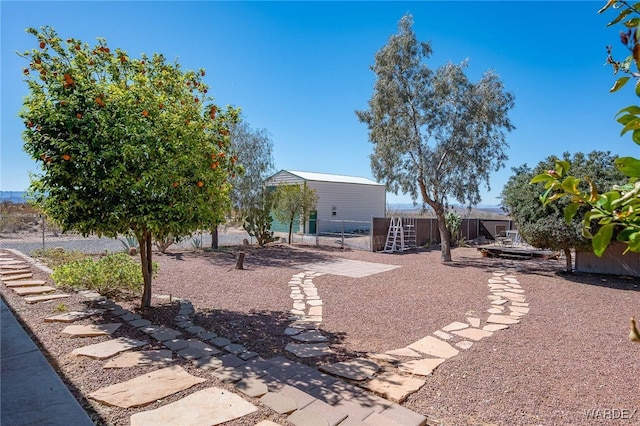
[(570, 354)]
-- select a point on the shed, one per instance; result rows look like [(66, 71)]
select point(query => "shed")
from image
[(347, 201)]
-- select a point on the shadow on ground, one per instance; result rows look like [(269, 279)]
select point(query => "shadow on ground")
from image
[(263, 333)]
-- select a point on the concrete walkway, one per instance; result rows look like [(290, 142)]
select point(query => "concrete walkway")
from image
[(31, 391)]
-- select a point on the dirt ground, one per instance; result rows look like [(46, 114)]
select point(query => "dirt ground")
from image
[(569, 357)]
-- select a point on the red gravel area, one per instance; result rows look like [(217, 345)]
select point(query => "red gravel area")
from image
[(570, 354)]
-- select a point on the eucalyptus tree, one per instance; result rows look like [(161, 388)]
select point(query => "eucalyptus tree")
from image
[(125, 144), (437, 136)]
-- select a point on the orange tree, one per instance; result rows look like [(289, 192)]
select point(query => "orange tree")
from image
[(615, 212), (125, 144)]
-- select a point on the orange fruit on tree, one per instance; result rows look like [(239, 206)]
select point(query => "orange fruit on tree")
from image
[(66, 157), (79, 116), (200, 184), (145, 113), (25, 71), (42, 44), (175, 184)]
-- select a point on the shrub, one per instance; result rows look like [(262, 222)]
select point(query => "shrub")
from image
[(115, 275), (54, 257)]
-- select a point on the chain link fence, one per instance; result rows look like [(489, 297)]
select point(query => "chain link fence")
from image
[(29, 232)]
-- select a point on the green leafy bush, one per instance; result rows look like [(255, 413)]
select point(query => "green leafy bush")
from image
[(54, 257), (115, 275)]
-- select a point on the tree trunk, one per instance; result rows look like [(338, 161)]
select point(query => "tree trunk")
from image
[(144, 240), (290, 230), (240, 261), (568, 259), (214, 236), (445, 236)]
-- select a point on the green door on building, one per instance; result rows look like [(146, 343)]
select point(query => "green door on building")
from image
[(313, 222)]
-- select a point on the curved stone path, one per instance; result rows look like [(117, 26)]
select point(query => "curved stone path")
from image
[(302, 393), (384, 374), (305, 394)]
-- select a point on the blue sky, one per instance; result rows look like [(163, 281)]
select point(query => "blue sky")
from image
[(301, 69)]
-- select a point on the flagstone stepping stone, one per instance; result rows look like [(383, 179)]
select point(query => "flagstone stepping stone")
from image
[(317, 413), (176, 344), (308, 350), (74, 315), (140, 323), (498, 286), (494, 311), (25, 283), (166, 334), (310, 337), (502, 319), (279, 403), (109, 348), (316, 302), (495, 327), (247, 355), (119, 311), (421, 367), (24, 291), (433, 346), (12, 262), (130, 317), (393, 386), (404, 352), (91, 330), (227, 374), (252, 387), (16, 266), (134, 359), (147, 388), (475, 322), (496, 281), (455, 326), (464, 344), (354, 369), (499, 302), (512, 297), (290, 331), (473, 333), (520, 309), (442, 335), (517, 314), (519, 304), (15, 277), (315, 311), (92, 295), (514, 290), (151, 329), (383, 358), (45, 298), (207, 407), (195, 329), (493, 297), (207, 335), (221, 342), (234, 348), (6, 273), (208, 363), (191, 353)]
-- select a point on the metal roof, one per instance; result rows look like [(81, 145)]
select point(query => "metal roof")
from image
[(326, 177)]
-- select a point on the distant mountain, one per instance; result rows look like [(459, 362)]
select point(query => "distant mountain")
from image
[(16, 197), (480, 210)]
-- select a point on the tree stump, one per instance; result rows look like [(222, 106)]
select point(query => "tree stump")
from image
[(240, 261)]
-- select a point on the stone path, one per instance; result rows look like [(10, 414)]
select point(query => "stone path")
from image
[(384, 374), (361, 391)]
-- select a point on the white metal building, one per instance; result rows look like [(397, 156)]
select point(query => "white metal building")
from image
[(342, 200)]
